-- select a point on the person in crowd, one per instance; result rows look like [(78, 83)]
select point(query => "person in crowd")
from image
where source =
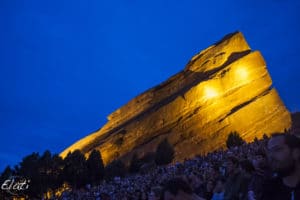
[(178, 189), (208, 190), (246, 171), (284, 159), (260, 175), (155, 193), (219, 189), (196, 183), (105, 196), (232, 184)]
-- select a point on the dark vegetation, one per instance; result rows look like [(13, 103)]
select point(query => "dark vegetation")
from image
[(234, 140), (49, 172)]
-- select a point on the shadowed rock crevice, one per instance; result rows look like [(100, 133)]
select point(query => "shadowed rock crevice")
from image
[(238, 107)]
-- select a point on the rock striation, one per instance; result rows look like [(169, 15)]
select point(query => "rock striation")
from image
[(224, 88)]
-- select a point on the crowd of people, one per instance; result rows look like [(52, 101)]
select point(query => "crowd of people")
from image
[(264, 169)]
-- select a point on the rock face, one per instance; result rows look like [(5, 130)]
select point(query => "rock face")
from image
[(224, 88)]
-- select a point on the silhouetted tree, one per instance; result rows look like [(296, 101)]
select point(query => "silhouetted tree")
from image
[(45, 168), (95, 167), (135, 164), (255, 140), (75, 170), (148, 158), (5, 175), (164, 153), (50, 170), (44, 173), (115, 168), (57, 166), (265, 137), (29, 165), (30, 168), (8, 172), (234, 139)]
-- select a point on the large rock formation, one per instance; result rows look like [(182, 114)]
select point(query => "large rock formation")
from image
[(224, 88)]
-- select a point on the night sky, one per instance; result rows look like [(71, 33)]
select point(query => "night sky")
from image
[(66, 65)]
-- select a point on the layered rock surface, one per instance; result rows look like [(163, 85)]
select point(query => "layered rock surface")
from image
[(224, 88)]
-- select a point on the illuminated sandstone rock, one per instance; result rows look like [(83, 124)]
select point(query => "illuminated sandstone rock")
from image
[(224, 88)]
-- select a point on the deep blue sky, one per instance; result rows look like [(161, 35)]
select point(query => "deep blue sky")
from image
[(66, 65)]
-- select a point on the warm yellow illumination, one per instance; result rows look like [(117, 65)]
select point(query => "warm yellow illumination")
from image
[(242, 73), (210, 92), (218, 92)]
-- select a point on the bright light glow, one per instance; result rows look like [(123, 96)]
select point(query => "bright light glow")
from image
[(242, 73), (210, 92)]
